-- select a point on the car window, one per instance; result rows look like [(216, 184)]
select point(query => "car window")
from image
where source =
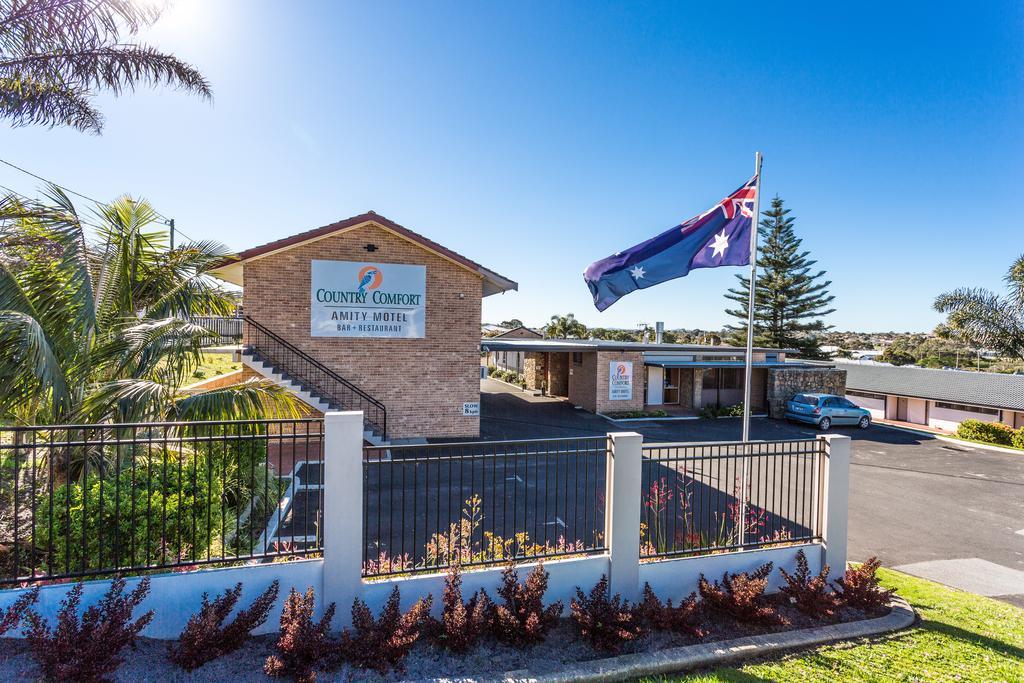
[(805, 399), (829, 403), (847, 403)]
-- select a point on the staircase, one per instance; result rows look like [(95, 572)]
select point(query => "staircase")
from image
[(309, 379)]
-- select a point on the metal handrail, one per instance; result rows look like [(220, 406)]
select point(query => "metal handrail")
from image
[(316, 376)]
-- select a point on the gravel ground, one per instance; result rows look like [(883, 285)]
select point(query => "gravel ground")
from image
[(149, 660)]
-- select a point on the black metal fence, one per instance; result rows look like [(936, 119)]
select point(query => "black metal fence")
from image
[(701, 498), (91, 500), (315, 377), (428, 506), (227, 329)]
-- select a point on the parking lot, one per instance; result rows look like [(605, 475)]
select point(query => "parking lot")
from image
[(950, 511)]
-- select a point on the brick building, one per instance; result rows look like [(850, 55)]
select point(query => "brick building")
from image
[(367, 314), (608, 376)]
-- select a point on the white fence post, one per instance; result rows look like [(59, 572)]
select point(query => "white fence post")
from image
[(836, 502), (622, 515), (343, 510)]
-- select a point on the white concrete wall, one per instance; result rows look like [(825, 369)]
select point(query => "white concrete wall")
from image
[(678, 578), (876, 406), (175, 596), (948, 420), (564, 576)]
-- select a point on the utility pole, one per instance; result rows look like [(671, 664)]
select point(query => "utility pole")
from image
[(171, 224)]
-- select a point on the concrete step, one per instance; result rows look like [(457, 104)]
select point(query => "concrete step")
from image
[(308, 397)]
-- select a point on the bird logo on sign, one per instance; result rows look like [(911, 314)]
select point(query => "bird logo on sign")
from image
[(370, 277)]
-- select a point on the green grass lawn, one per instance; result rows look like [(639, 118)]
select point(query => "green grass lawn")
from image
[(960, 637), (214, 364)]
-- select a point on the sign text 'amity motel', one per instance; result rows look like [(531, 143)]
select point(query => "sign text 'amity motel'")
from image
[(354, 299)]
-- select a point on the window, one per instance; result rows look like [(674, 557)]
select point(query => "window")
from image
[(732, 378), (577, 358), (865, 394), (966, 408)]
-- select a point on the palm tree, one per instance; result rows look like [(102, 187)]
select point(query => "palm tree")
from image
[(55, 55), (100, 331), (565, 327), (986, 319)]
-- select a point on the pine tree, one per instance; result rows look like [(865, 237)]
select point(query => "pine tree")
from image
[(789, 300)]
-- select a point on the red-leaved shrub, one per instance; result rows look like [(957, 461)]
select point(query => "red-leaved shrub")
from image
[(383, 643), (859, 588), (741, 596), (809, 593), (12, 616), (205, 637), (88, 648), (521, 618), (683, 618), (461, 624), (606, 621), (303, 643)]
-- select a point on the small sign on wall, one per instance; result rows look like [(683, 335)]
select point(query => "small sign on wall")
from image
[(471, 409), (620, 380)]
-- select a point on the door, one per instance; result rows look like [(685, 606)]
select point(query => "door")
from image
[(901, 409), (671, 387), (851, 413)]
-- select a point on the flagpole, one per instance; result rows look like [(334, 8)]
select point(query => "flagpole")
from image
[(749, 358)]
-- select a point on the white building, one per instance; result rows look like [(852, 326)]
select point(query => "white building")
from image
[(940, 399)]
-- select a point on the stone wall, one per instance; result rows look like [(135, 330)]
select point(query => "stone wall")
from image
[(535, 370), (558, 374), (784, 383), (686, 387), (422, 382)]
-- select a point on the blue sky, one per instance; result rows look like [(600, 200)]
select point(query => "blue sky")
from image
[(539, 137)]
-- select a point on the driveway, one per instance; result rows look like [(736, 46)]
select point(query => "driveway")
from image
[(947, 511)]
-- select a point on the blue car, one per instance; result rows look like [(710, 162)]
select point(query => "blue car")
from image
[(825, 410)]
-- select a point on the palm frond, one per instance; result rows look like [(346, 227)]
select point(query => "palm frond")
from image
[(125, 400), (56, 54), (253, 399), (26, 357)]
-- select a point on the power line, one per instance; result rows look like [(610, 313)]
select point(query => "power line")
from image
[(166, 221)]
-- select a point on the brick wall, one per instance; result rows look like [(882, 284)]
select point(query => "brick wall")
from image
[(422, 382), (784, 383), (582, 381), (535, 370), (604, 360)]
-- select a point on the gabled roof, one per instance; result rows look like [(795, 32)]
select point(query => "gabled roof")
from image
[(534, 333), (231, 270), (985, 389)]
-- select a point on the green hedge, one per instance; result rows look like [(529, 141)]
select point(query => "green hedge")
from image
[(155, 513), (990, 432)]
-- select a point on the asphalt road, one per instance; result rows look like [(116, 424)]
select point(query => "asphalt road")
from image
[(948, 511)]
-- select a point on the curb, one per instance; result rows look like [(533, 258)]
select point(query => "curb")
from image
[(534, 392), (705, 655), (952, 439)]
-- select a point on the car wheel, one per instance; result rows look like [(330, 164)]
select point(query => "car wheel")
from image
[(865, 422), (824, 424)]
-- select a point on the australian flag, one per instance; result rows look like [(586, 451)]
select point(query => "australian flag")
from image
[(717, 237)]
